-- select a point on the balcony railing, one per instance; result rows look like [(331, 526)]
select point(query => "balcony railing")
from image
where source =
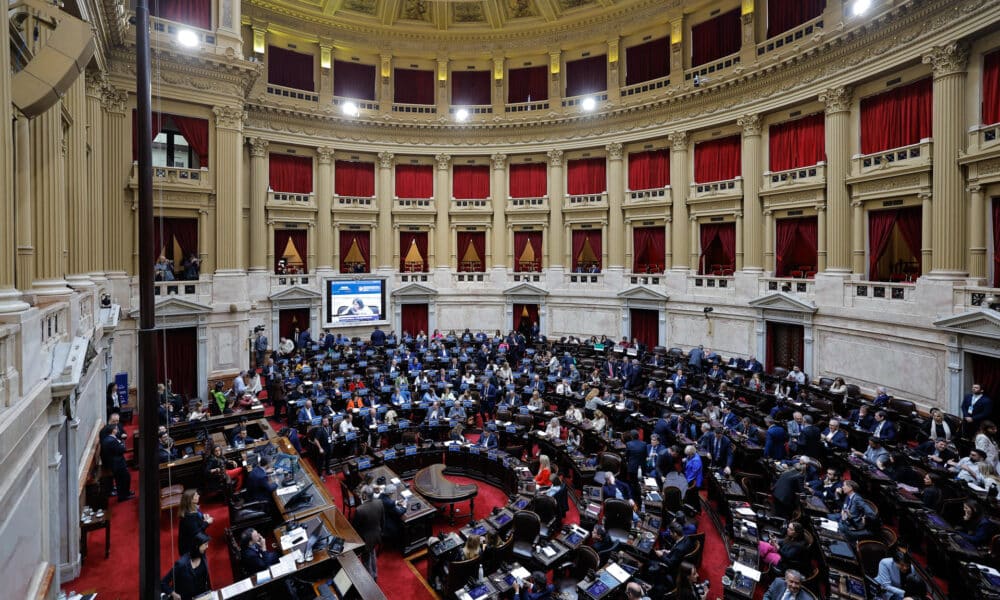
[(283, 282), (421, 204), (577, 100), (726, 187), (474, 109), (475, 277), (53, 321), (645, 86), (972, 297), (649, 196), (414, 109), (592, 279), (472, 203), (294, 94), (528, 204), (769, 285), (169, 30), (711, 285), (163, 289), (914, 155), (881, 290), (176, 178), (791, 36), (370, 105), (354, 201), (9, 377), (812, 175), (522, 107), (984, 136), (291, 198), (524, 277), (415, 277), (586, 200), (645, 278), (703, 71)]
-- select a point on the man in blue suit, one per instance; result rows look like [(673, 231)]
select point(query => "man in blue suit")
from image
[(719, 448), (789, 588), (753, 365), (695, 357), (692, 467), (378, 337), (883, 429), (259, 486), (774, 442), (487, 440), (635, 454), (615, 489), (833, 437), (976, 408)]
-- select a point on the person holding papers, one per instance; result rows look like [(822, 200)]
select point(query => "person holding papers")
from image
[(189, 578)]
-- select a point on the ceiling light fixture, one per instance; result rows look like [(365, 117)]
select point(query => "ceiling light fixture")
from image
[(187, 38), (462, 114), (350, 109), (588, 104), (861, 7)]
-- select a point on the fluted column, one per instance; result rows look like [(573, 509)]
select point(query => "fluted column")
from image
[(693, 242), (324, 204), (78, 210), (24, 233), (258, 203), (949, 207), (753, 257), (740, 241), (48, 158), (9, 296), (385, 229), (679, 189), (117, 164), (616, 199), (769, 241), (858, 265), (977, 232), (498, 192), (926, 232), (442, 201), (838, 198), (668, 259), (557, 253), (555, 81), (95, 182), (228, 180), (821, 239)]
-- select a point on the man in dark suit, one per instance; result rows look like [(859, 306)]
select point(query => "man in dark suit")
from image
[(681, 546), (789, 588), (615, 489), (259, 486), (774, 442), (369, 521), (654, 453), (833, 437), (976, 408), (811, 439), (860, 418), (787, 487), (113, 458), (857, 520), (695, 358), (635, 455), (378, 337), (394, 512), (488, 440), (753, 365), (883, 429), (255, 556), (720, 450)]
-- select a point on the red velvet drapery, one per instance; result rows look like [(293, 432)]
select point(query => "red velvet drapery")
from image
[(996, 242), (177, 360), (470, 182), (408, 242), (648, 170), (649, 249), (167, 230), (645, 326), (471, 251), (528, 84), (783, 15), (414, 318), (798, 143), (898, 117), (414, 181), (794, 245), (363, 241), (354, 178), (196, 13), (581, 239), (413, 86), (716, 37), (298, 241), (647, 61), (290, 69), (195, 131), (909, 222), (880, 227), (587, 75), (991, 88), (290, 319), (586, 176), (353, 80), (528, 180), (986, 372), (525, 312), (470, 88), (158, 121), (523, 259), (717, 160), (291, 174), (718, 247)]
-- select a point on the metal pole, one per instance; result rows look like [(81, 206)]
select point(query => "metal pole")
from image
[(149, 485)]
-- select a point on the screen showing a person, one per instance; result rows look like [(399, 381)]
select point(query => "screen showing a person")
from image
[(354, 301)]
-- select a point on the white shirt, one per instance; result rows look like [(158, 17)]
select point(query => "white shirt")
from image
[(346, 426)]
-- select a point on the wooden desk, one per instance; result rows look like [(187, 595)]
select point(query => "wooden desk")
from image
[(419, 512), (93, 524), (304, 475)]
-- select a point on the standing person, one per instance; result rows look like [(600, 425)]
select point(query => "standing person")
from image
[(369, 520), (189, 578), (260, 347), (193, 521), (113, 457), (976, 408)]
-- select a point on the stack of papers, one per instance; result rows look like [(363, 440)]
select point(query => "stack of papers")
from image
[(617, 572), (287, 490), (747, 571), (829, 525), (521, 573), (746, 512), (650, 482), (236, 589)]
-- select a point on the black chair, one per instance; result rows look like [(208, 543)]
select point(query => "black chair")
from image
[(460, 572), (583, 560), (870, 552), (547, 509), (825, 382), (349, 500), (694, 557), (609, 461), (673, 499), (527, 526), (617, 519)]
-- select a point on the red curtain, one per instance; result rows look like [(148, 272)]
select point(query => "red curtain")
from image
[(783, 15), (717, 160), (795, 245), (292, 174), (533, 260), (177, 360), (880, 224), (167, 230), (158, 120), (290, 69), (991, 88), (414, 181), (529, 180), (716, 38), (649, 170), (195, 131), (645, 326), (471, 251), (529, 84), (649, 249), (909, 222), (353, 80), (354, 179), (587, 75), (299, 241), (471, 88), (413, 86), (798, 143), (363, 241), (414, 318), (718, 246), (196, 13), (586, 176), (986, 372), (525, 312), (290, 319), (647, 61), (996, 243), (581, 238), (470, 182), (896, 118), (408, 239)]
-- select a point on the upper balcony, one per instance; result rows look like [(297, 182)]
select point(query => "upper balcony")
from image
[(176, 179), (790, 40), (369, 106), (895, 161), (413, 205), (653, 197), (576, 202), (795, 179), (464, 206), (644, 86), (363, 204), (413, 109), (572, 101), (525, 108), (287, 93), (726, 189), (984, 137), (291, 200), (528, 205), (707, 72)]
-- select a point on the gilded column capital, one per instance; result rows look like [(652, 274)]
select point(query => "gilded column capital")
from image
[(229, 117), (499, 162), (443, 161), (949, 59), (385, 159), (114, 101), (614, 150), (258, 147), (555, 157), (837, 99), (678, 140), (751, 125), (324, 154)]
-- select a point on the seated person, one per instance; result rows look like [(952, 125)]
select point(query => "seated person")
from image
[(166, 450), (535, 588), (860, 418), (883, 429), (259, 484), (976, 528), (874, 453), (255, 556), (488, 440), (790, 552), (306, 414), (543, 477), (553, 430), (897, 578), (679, 546), (967, 469), (937, 451), (833, 437)]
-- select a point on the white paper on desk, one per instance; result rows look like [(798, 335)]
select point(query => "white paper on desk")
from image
[(287, 490), (209, 595), (548, 551), (745, 570), (394, 481), (236, 589), (263, 576), (406, 493), (829, 525), (976, 488), (986, 569), (746, 512), (650, 482), (521, 573), (617, 572)]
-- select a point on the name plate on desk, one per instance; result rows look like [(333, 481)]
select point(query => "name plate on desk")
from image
[(492, 455), (389, 454), (406, 405), (511, 429), (411, 450), (473, 449), (383, 428), (364, 463), (432, 423), (524, 410), (454, 447), (404, 423)]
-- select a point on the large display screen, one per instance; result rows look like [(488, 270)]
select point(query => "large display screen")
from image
[(354, 302)]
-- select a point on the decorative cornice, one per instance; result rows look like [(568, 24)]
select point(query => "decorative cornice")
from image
[(555, 157), (837, 99), (385, 160), (229, 117), (258, 147), (949, 59), (751, 125), (614, 150)]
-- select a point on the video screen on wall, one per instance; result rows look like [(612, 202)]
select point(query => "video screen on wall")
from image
[(354, 302)]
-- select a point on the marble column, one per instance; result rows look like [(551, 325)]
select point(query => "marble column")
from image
[(753, 257), (740, 241), (616, 214), (949, 206), (679, 189), (78, 208), (838, 198), (977, 233), (117, 164), (858, 265), (258, 203), (668, 259), (24, 233), (613, 77), (324, 205), (497, 98), (228, 180), (385, 228), (693, 242), (557, 253), (821, 237), (769, 241), (95, 183), (9, 296), (442, 202), (498, 192), (927, 221), (555, 82), (384, 84), (48, 158), (229, 14)]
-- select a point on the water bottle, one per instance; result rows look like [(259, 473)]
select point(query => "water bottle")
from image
[(480, 572)]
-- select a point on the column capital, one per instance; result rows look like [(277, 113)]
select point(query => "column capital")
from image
[(614, 150), (820, 208), (499, 162), (738, 214), (949, 59), (928, 196), (229, 117), (258, 147), (692, 218), (857, 203), (555, 157), (974, 188), (678, 140), (385, 159), (113, 100), (324, 154), (837, 99), (443, 161), (751, 125), (768, 212), (95, 82)]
